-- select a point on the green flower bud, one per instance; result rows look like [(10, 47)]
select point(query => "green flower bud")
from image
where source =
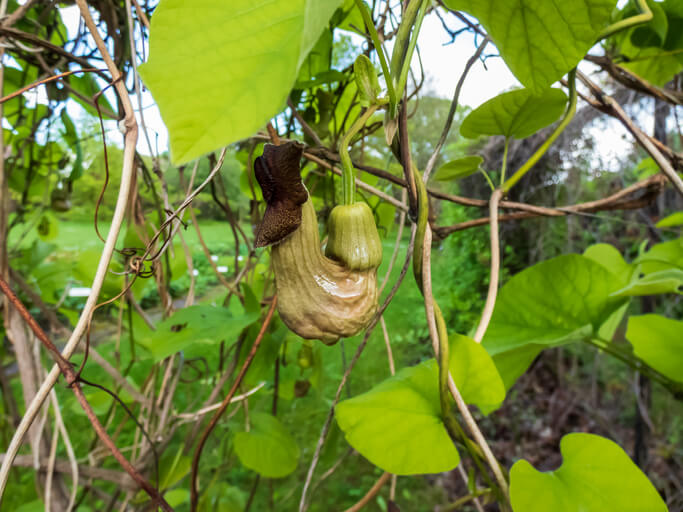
[(353, 239), (366, 80)]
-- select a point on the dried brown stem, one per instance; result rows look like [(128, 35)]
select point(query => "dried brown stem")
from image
[(616, 201)]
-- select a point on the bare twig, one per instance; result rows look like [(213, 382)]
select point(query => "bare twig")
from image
[(304, 125), (387, 343), (616, 201), (59, 421), (120, 478), (397, 244), (44, 81), (193, 416), (644, 140)]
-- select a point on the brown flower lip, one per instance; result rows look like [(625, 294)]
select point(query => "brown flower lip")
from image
[(278, 172)]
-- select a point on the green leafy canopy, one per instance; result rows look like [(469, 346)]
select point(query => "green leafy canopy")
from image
[(220, 70)]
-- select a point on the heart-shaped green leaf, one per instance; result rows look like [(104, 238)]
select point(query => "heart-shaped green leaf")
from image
[(460, 168), (517, 114), (659, 342), (540, 40), (382, 423), (558, 301), (267, 448), (596, 475), (219, 70)]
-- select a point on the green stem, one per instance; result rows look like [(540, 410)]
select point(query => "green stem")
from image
[(488, 179), (402, 37), (348, 174), (370, 24), (503, 166), (644, 16), (405, 68), (568, 115), (401, 46)]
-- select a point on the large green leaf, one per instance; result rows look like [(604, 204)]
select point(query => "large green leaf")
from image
[(219, 70), (558, 301), (540, 40), (655, 65), (397, 424), (267, 448), (193, 327), (659, 342), (596, 476), (517, 114)]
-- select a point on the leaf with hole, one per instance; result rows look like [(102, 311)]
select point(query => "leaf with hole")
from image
[(659, 342), (596, 476), (517, 114), (231, 70), (195, 328), (459, 168)]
